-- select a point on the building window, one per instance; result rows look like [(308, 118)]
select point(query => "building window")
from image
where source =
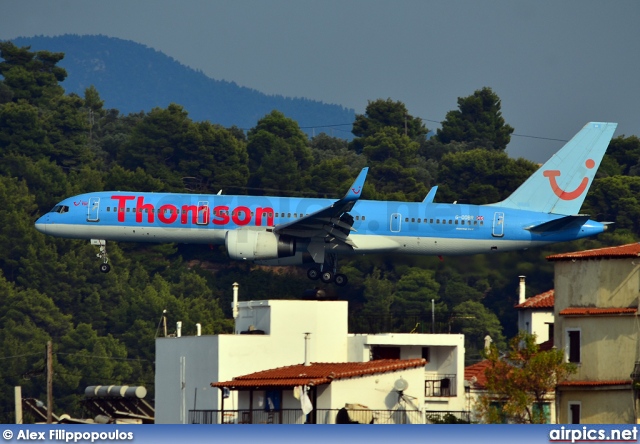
[(379, 352), (574, 413), (542, 410), (426, 354), (550, 325), (573, 346)]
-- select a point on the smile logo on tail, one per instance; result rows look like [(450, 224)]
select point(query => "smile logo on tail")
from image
[(356, 191), (568, 195)]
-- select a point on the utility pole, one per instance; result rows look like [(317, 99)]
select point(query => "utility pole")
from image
[(49, 382)]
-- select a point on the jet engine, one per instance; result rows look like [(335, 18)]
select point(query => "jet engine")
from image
[(258, 245)]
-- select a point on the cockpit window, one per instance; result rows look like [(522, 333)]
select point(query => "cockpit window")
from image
[(59, 209)]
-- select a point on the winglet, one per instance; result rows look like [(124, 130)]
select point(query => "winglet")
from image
[(355, 191), (431, 195)]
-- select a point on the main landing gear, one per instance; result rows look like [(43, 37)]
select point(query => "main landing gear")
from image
[(104, 266), (326, 272)]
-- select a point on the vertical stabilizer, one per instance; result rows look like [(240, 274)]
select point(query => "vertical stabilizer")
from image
[(561, 184)]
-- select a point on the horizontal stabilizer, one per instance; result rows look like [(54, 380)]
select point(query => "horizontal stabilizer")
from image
[(562, 223)]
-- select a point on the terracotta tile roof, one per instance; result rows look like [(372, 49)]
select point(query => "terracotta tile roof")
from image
[(477, 371), (622, 251), (542, 300), (593, 311), (546, 345), (595, 383), (318, 373)]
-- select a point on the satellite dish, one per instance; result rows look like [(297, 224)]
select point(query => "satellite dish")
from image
[(400, 385)]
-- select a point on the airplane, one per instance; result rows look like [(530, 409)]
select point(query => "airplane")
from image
[(292, 231)]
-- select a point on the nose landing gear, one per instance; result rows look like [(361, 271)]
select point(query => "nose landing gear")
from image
[(104, 266)]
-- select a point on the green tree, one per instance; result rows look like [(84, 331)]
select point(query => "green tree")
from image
[(480, 176), (392, 158), (615, 199), (478, 121), (625, 152), (381, 114), (30, 76), (476, 321), (279, 155), (413, 294), (378, 293), (519, 383), (156, 142)]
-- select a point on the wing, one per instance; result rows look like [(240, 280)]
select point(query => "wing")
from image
[(333, 222)]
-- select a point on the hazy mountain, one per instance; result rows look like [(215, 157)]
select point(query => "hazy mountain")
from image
[(131, 77)]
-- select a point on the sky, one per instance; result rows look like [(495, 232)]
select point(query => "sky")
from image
[(555, 64)]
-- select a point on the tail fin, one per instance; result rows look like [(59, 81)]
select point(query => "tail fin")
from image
[(561, 184)]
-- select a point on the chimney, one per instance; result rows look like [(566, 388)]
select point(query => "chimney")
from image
[(235, 300), (521, 295), (306, 349)]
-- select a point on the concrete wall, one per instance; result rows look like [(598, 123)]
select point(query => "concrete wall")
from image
[(602, 406), (608, 344), (597, 283), (192, 360), (186, 366)]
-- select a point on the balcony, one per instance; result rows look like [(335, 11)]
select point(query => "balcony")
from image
[(327, 416), (440, 386)]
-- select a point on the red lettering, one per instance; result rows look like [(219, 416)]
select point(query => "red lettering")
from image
[(184, 218), (235, 216), (221, 215), (261, 212), (140, 207), (162, 214), (122, 203)]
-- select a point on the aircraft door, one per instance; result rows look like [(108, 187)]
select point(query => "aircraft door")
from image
[(498, 225), (396, 222), (93, 209), (203, 213)]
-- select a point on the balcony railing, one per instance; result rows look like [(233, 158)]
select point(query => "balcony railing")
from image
[(318, 416), (440, 386)]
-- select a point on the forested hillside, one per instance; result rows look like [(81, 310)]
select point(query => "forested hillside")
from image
[(132, 77), (54, 144)]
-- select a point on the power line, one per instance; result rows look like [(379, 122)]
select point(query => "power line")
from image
[(19, 356)]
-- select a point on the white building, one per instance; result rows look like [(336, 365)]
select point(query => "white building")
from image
[(271, 334), (535, 314)]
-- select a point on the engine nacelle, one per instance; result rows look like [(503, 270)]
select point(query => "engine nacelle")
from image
[(258, 245)]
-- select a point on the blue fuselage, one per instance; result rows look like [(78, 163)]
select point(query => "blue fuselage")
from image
[(379, 226)]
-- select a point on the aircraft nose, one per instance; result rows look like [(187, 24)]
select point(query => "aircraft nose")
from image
[(41, 224)]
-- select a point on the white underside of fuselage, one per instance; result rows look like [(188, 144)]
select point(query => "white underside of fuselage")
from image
[(363, 244)]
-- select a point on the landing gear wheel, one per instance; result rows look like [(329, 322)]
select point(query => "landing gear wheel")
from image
[(326, 277), (341, 280), (313, 273), (105, 268)]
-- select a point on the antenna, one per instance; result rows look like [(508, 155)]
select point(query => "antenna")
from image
[(163, 320), (400, 385)]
